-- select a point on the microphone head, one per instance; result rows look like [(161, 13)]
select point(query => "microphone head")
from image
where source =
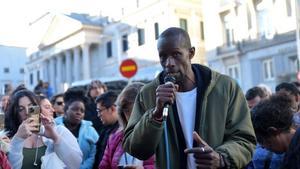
[(169, 78)]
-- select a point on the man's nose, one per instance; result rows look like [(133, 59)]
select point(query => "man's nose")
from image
[(170, 62)]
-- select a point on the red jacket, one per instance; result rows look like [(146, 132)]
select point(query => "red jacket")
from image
[(4, 161), (114, 151)]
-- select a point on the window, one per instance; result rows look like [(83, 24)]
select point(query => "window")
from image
[(123, 11), (22, 71), (7, 88), (6, 70), (249, 20), (183, 24), (141, 36), (156, 30), (268, 69), (31, 78), (38, 75), (228, 29), (265, 21), (288, 7), (293, 64), (109, 49), (234, 71), (125, 43), (202, 30)]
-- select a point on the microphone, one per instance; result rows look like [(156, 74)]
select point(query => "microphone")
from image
[(167, 80)]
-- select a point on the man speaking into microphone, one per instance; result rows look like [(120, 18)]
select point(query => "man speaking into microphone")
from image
[(208, 120)]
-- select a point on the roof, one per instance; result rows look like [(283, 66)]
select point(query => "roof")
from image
[(86, 19)]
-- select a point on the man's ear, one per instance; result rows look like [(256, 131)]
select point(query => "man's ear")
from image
[(113, 108), (272, 130), (191, 52)]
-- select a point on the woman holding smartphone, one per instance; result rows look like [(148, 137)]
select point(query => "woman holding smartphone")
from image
[(29, 144)]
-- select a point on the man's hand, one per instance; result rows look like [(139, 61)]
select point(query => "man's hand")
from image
[(165, 93), (205, 156)]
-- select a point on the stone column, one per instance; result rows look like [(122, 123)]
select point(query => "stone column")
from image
[(52, 73), (45, 68), (86, 61), (76, 64), (68, 67), (59, 72)]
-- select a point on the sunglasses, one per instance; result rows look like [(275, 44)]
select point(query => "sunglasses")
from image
[(100, 110), (59, 103)]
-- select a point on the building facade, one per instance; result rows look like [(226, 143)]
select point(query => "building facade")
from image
[(151, 17), (298, 29), (12, 67), (252, 41), (77, 48)]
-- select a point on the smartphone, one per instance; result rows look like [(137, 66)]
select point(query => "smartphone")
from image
[(34, 113)]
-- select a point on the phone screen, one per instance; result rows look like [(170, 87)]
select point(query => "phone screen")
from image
[(34, 113)]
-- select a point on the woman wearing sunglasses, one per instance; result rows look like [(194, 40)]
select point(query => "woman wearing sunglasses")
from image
[(58, 104), (29, 144)]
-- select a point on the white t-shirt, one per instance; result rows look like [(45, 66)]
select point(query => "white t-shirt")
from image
[(186, 107)]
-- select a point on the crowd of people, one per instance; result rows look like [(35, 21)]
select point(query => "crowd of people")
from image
[(276, 119), (198, 119), (66, 136)]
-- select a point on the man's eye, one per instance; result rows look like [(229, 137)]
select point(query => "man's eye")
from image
[(176, 54), (163, 58)]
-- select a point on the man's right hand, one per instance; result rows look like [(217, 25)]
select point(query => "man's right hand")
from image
[(165, 93)]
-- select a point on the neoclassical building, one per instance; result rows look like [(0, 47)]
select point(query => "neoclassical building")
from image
[(76, 48)]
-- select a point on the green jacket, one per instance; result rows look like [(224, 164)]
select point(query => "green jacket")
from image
[(222, 120)]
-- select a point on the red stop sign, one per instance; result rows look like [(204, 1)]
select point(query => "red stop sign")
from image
[(128, 68)]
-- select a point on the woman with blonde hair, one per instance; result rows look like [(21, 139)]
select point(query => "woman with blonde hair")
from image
[(114, 155)]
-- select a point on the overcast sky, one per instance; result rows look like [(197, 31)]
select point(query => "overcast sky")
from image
[(15, 15)]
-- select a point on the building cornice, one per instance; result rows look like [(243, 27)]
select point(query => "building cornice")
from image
[(82, 29)]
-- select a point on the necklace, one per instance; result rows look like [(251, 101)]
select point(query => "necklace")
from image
[(190, 79), (36, 151)]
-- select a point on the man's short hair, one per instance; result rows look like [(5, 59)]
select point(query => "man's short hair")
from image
[(97, 83), (273, 112), (177, 32), (107, 99), (254, 92), (288, 87), (296, 83)]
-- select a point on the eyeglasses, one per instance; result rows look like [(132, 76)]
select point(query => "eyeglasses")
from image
[(100, 110), (59, 103)]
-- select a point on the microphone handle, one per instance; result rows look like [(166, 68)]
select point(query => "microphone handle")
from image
[(166, 111)]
